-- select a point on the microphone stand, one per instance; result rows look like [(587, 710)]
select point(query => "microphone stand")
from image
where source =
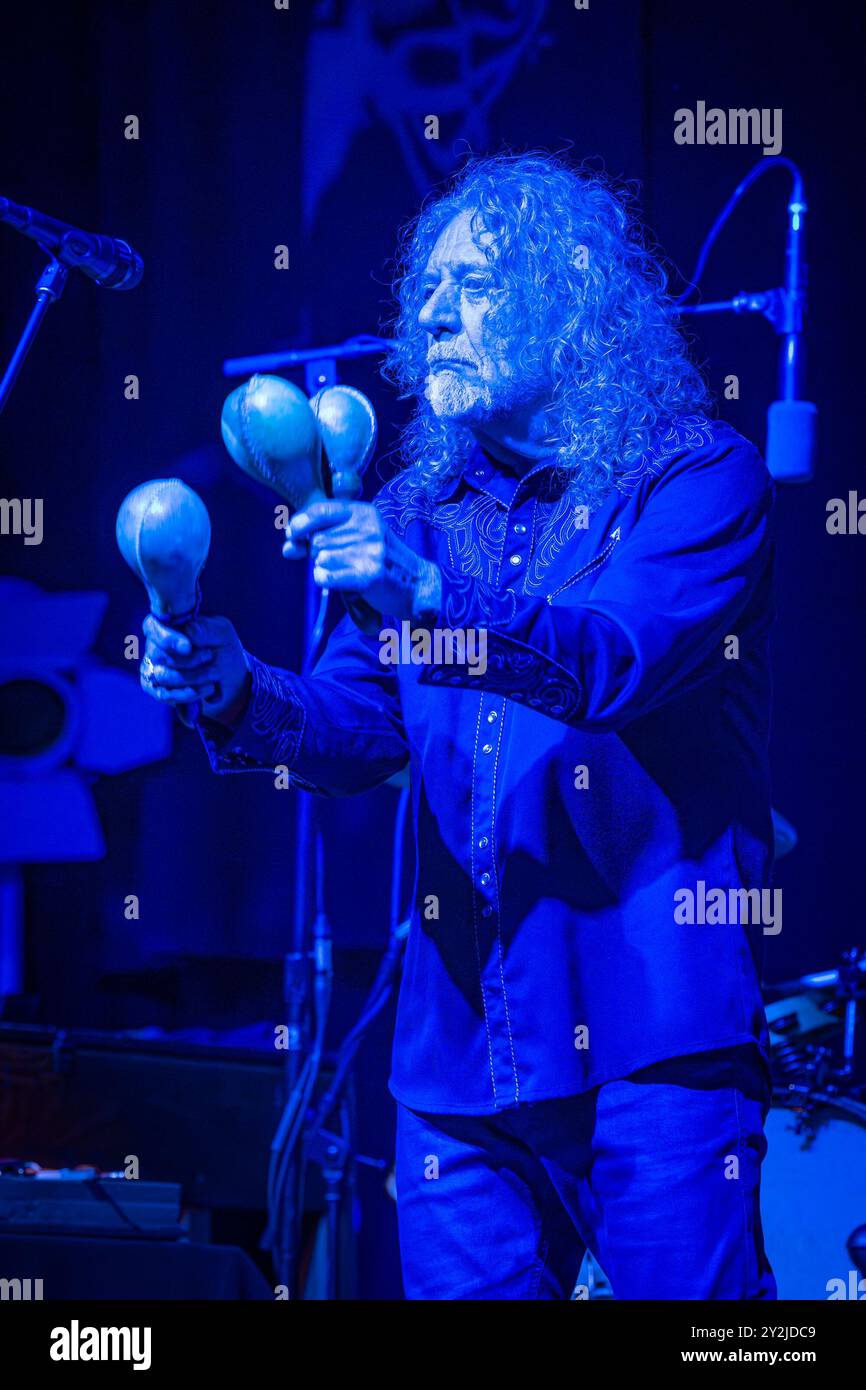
[(791, 420), (49, 288), (305, 1036), (307, 966), (784, 307), (319, 363)]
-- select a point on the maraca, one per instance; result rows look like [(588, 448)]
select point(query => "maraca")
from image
[(272, 433), (347, 424), (163, 532)]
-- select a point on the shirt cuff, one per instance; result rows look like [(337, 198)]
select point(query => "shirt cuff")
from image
[(515, 672), (270, 730)]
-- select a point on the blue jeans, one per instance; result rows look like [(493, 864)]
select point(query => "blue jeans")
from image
[(658, 1175)]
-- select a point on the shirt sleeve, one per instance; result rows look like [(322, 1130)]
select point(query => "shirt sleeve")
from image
[(656, 616), (338, 731)]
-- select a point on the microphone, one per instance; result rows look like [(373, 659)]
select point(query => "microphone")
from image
[(163, 533), (271, 432), (106, 260), (792, 423), (792, 440)]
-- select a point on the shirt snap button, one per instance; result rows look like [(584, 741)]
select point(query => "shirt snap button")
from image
[(485, 879), (520, 528), (488, 748), (515, 560), (483, 842)]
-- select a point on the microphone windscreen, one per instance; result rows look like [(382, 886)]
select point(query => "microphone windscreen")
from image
[(271, 433), (792, 437), (163, 532), (347, 422)]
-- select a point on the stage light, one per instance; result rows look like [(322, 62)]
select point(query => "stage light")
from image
[(64, 717)]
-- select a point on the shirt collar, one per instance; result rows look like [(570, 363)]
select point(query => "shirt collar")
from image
[(483, 473)]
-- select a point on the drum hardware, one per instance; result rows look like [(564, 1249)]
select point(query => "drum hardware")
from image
[(850, 991), (813, 1183), (801, 1032), (808, 1086), (813, 1188), (791, 1062), (815, 1021)]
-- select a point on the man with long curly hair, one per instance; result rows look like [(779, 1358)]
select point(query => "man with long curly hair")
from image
[(580, 1054)]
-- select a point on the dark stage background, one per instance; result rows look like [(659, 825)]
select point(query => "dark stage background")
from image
[(305, 127)]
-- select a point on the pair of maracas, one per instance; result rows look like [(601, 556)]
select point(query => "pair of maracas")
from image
[(277, 436)]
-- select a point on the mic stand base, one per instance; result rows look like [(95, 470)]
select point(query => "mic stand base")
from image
[(331, 1153)]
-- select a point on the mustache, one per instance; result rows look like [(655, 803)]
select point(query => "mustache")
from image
[(441, 358)]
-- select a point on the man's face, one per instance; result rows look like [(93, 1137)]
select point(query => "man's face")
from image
[(469, 378)]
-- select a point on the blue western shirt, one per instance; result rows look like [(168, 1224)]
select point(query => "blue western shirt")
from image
[(612, 755)]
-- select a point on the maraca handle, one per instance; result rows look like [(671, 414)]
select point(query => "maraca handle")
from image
[(188, 714), (363, 615)]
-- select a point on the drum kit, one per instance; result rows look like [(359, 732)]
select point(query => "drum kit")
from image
[(813, 1179), (813, 1185)]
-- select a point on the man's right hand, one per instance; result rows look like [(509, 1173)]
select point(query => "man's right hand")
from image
[(205, 662)]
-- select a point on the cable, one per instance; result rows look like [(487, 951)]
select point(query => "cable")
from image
[(753, 175)]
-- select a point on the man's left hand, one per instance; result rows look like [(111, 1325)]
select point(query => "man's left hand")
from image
[(353, 548)]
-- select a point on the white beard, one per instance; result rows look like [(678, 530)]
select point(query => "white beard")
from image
[(458, 396), (455, 396)]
